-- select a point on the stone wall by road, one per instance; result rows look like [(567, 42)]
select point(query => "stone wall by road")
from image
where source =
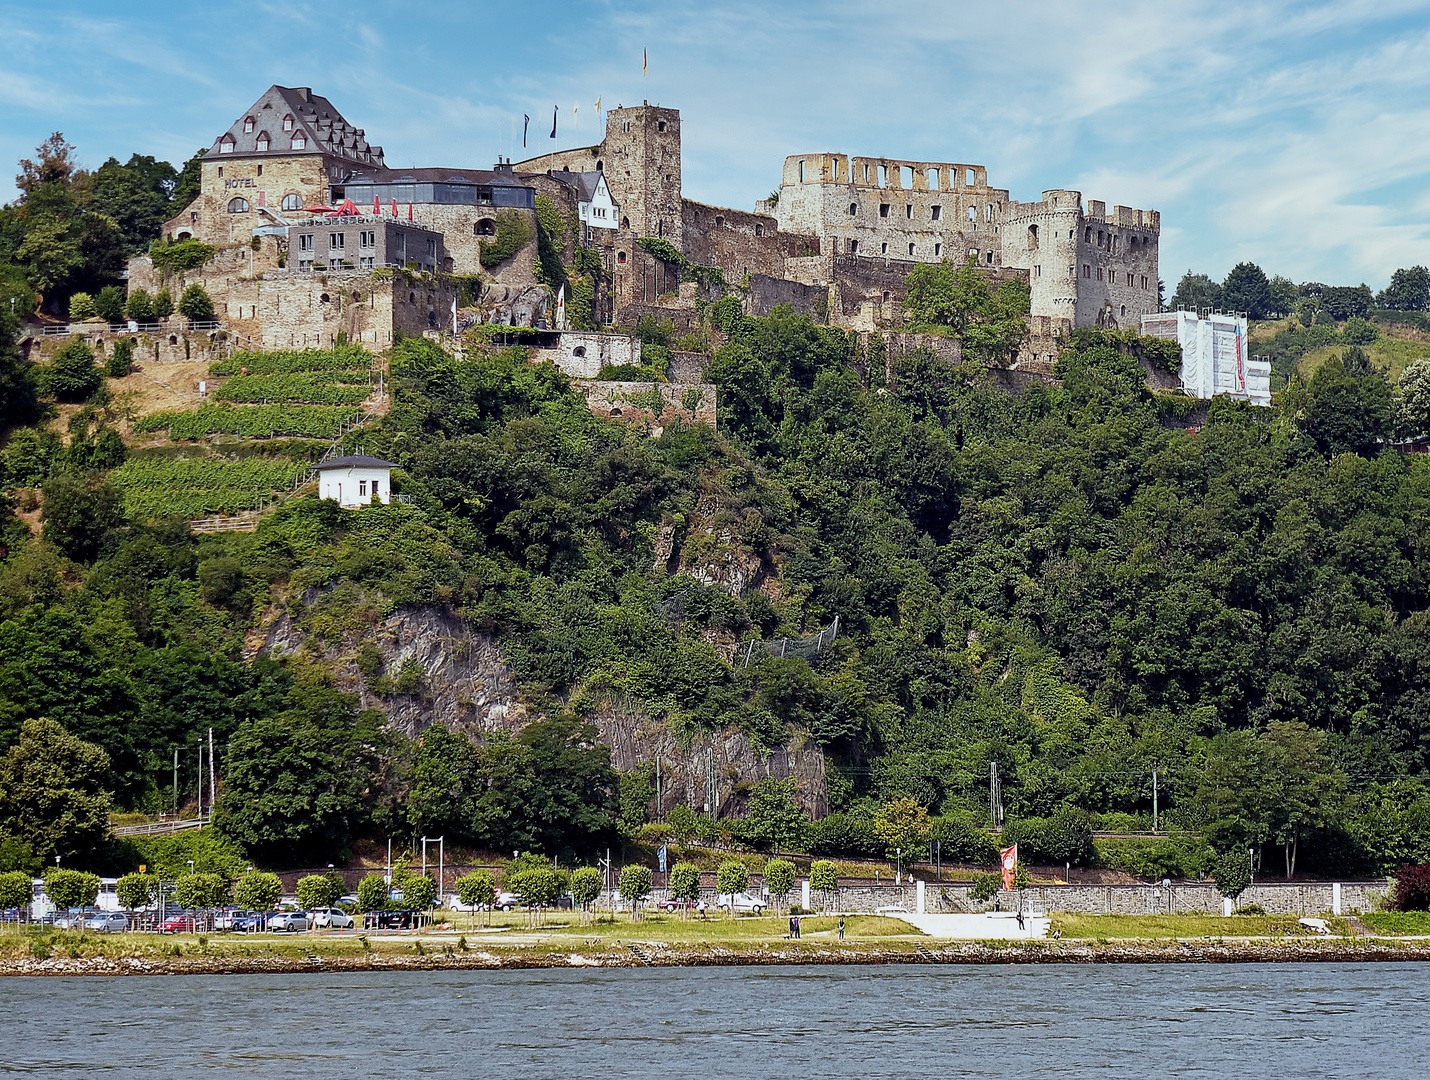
[(693, 403)]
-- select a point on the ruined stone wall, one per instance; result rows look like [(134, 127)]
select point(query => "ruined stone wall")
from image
[(656, 403), (1041, 237), (869, 292), (738, 243), (460, 225), (1117, 259), (767, 292), (687, 367), (1046, 336), (582, 354), (305, 308)]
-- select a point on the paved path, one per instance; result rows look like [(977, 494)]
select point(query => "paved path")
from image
[(989, 924)]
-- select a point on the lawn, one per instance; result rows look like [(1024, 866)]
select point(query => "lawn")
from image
[(1108, 927), (1390, 355), (1398, 922)]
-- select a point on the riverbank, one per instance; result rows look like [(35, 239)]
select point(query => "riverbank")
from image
[(442, 955)]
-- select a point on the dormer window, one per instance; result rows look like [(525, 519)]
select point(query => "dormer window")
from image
[(300, 141), (225, 145), (263, 142), (288, 123), (248, 125)]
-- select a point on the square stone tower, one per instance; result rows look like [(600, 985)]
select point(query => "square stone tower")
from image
[(641, 160)]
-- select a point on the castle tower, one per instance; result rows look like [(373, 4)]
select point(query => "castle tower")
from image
[(641, 160)]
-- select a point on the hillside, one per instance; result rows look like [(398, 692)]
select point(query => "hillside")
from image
[(1068, 586)]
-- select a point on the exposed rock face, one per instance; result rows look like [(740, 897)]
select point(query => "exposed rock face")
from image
[(714, 553), (468, 686)]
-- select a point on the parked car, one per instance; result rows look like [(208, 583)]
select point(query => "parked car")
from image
[(670, 904), (182, 923), (738, 902), (248, 922), (223, 920), (508, 901), (288, 922), (348, 902), (325, 918), (403, 919), (107, 922)]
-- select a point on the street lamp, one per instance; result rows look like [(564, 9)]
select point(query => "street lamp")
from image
[(898, 865)]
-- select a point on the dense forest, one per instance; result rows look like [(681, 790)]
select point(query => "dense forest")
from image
[(1077, 585)]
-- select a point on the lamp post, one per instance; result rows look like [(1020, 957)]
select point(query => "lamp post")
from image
[(898, 865)]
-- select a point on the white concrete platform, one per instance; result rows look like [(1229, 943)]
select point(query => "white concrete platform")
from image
[(988, 924)]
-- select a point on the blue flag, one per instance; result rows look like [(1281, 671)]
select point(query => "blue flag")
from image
[(661, 856)]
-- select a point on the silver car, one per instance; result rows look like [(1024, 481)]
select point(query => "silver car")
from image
[(327, 918), (107, 922), (291, 921)]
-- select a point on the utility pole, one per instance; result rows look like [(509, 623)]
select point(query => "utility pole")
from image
[(200, 778), (1154, 800), (176, 781), (212, 779), (659, 801)]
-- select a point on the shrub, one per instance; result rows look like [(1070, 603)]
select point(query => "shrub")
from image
[(1232, 873), (844, 835), (182, 255), (779, 876), (1064, 837), (16, 890), (372, 893), (586, 885), (1250, 909), (685, 881), (196, 304), (958, 841), (635, 885), (71, 888), (81, 307), (319, 890), (258, 891), (135, 890), (201, 890), (163, 304), (140, 306), (72, 375), (419, 893), (121, 359), (513, 232), (1359, 332), (1412, 888), (985, 886), (109, 304), (823, 876)]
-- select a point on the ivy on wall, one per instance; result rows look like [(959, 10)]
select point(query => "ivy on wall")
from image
[(513, 233)]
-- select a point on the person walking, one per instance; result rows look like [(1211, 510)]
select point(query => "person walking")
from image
[(701, 908), (841, 928), (795, 920), (1020, 920), (793, 923)]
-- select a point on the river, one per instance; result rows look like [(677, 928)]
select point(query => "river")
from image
[(1294, 1020)]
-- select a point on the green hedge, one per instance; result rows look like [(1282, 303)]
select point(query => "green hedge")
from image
[(315, 389), (1178, 856), (254, 421)]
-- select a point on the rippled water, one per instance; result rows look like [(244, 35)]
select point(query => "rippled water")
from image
[(1295, 1020)]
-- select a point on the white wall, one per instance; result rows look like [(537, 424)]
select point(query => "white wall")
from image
[(355, 486)]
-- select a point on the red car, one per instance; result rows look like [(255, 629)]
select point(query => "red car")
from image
[(178, 924), (677, 905)]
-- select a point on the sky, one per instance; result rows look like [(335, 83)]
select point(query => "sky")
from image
[(1293, 135)]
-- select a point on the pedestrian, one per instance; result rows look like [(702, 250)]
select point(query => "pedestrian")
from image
[(701, 908), (796, 925), (1020, 920), (841, 928), (793, 926)]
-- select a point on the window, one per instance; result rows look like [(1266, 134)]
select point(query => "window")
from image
[(886, 296), (883, 209), (225, 145), (625, 125), (305, 241), (801, 172), (600, 165), (305, 264), (973, 213), (300, 141), (853, 247), (884, 249), (1072, 271), (335, 241), (937, 250), (660, 125), (620, 256), (853, 209), (432, 246), (990, 258), (625, 222), (1124, 311), (1099, 273), (1144, 281), (262, 144), (485, 227), (220, 172), (909, 211), (1032, 236), (367, 238), (911, 249), (292, 202), (1037, 271), (374, 487), (238, 206), (933, 179), (362, 487), (935, 212), (1086, 270), (248, 125), (759, 229), (719, 221), (288, 123), (323, 299), (968, 179), (1087, 236), (988, 212)]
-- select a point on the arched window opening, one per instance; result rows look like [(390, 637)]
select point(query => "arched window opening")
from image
[(625, 222), (853, 209), (486, 227), (620, 256), (600, 165), (579, 350), (238, 206), (292, 202), (1032, 236), (323, 299)]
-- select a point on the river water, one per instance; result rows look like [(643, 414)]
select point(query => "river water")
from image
[(1291, 1020)]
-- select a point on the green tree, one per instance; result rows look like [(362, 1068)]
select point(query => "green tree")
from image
[(135, 196), (109, 304), (1346, 413), (824, 879), (82, 307), (779, 877), (585, 888), (684, 882), (637, 793), (16, 890), (1247, 289), (188, 184), (121, 358), (1409, 290), (681, 819), (19, 398), (774, 816), (258, 891), (71, 888), (1284, 295), (903, 824), (419, 892), (478, 889), (445, 774), (732, 876), (318, 891), (1196, 292), (372, 893), (52, 792), (136, 890), (1232, 873), (140, 306), (990, 323), (1412, 400), (195, 304), (163, 304), (72, 375), (80, 512), (200, 890), (635, 886), (1303, 788)]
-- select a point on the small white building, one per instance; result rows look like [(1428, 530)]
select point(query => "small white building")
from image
[(594, 203), (1216, 356), (353, 481)]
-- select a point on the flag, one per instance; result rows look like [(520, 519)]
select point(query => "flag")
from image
[(660, 854), (645, 63), (454, 314), (598, 110), (394, 207), (561, 308), (525, 123), (1009, 856), (554, 110), (409, 211), (376, 206)]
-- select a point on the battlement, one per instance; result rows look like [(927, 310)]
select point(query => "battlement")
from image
[(889, 173), (1124, 216), (1067, 201)]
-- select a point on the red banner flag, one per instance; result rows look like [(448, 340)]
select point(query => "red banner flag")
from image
[(394, 207), (376, 206), (409, 211), (1009, 857)]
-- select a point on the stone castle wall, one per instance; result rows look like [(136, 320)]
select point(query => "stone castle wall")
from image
[(635, 401)]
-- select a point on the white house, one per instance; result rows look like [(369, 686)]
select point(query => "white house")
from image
[(353, 481), (594, 203), (1216, 355)]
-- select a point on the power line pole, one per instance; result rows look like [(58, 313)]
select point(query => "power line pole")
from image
[(1154, 800), (212, 780)]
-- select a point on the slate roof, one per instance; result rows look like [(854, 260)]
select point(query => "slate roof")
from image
[(315, 117), (356, 461)]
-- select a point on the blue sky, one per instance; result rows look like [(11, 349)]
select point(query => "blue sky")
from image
[(1293, 134)]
